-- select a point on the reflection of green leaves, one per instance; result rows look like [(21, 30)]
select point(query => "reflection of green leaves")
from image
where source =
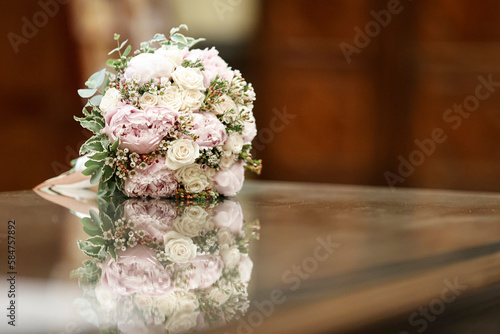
[(89, 275)]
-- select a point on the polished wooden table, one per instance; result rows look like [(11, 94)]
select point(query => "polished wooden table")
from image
[(330, 259)]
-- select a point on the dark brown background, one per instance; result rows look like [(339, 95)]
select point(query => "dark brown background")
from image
[(352, 120)]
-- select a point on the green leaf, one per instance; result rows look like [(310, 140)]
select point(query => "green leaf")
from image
[(115, 145), (127, 51), (107, 173), (89, 223), (90, 170), (93, 144), (123, 44), (97, 240), (96, 176), (95, 217), (176, 29), (106, 223), (91, 232), (91, 163), (111, 62), (99, 156), (86, 93), (179, 38), (112, 252), (91, 125)]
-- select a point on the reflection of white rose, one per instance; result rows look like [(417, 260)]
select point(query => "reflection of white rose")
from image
[(225, 237), (105, 298), (143, 301), (191, 100), (181, 322), (218, 296), (173, 54), (188, 78), (148, 99), (188, 227), (226, 104), (110, 100), (167, 304), (230, 255), (234, 143), (182, 152), (170, 97), (179, 248), (195, 212), (227, 160)]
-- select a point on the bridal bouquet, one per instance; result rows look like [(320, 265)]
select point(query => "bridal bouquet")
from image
[(169, 121), (157, 264)]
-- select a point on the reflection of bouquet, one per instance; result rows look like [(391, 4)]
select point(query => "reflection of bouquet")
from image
[(161, 265), (171, 121)]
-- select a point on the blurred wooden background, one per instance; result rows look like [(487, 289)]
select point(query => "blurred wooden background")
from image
[(348, 122)]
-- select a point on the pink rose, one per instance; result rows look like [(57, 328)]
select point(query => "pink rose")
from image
[(210, 131), (207, 270), (140, 131), (155, 181), (229, 182), (147, 66), (136, 270), (213, 63), (155, 217), (229, 214)]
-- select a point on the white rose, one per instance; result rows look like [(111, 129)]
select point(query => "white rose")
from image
[(197, 186), (181, 322), (193, 178), (249, 130), (227, 160), (179, 248), (191, 100), (172, 54), (233, 144), (225, 237), (170, 97), (148, 99), (181, 153), (188, 78), (218, 296), (230, 256), (110, 100), (225, 105)]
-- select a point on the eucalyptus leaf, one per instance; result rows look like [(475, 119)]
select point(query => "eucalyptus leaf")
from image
[(86, 93), (96, 100), (96, 79), (127, 51)]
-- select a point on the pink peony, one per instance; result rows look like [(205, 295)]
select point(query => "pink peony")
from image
[(210, 131), (213, 63), (147, 66), (207, 270), (155, 181), (229, 215), (140, 131), (136, 270), (155, 217), (229, 182)]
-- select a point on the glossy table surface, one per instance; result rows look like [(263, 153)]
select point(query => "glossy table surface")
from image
[(330, 259)]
